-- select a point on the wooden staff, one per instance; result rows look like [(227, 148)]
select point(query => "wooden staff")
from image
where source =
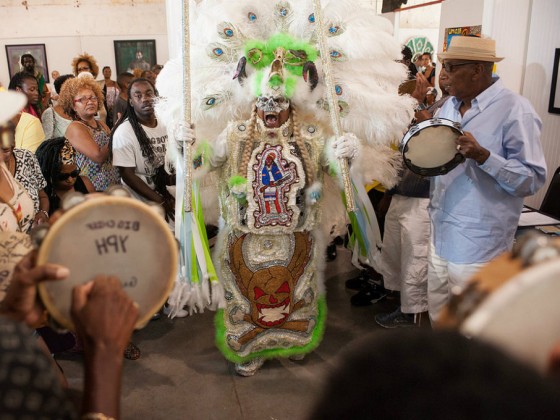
[(187, 147), (333, 102)]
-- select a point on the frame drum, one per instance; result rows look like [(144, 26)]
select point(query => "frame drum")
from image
[(111, 235), (512, 306), (429, 147)]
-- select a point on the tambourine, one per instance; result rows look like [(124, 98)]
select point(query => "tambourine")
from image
[(429, 147), (513, 302), (407, 87), (110, 235)]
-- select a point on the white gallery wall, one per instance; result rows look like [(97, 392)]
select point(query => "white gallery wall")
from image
[(69, 27)]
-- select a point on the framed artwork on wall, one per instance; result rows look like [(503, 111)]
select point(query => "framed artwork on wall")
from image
[(554, 101), (38, 51), (135, 55)]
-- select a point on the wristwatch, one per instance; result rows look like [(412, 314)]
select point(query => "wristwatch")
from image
[(420, 107)]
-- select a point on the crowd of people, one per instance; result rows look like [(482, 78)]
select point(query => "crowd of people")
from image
[(437, 232)]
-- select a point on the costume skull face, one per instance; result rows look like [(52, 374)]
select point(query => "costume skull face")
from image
[(271, 290)]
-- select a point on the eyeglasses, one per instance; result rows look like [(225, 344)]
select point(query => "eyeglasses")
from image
[(449, 68), (64, 176), (85, 99)]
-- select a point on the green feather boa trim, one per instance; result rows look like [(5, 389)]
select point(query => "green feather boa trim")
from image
[(232, 356), (236, 180)]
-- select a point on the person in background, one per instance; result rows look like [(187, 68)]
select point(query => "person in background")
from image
[(81, 98), (139, 144), (427, 68), (156, 68), (149, 75), (85, 63), (111, 91), (55, 74), (28, 66), (29, 131), (57, 162), (55, 120), (123, 80), (24, 167)]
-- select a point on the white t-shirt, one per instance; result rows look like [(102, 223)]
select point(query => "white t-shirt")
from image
[(127, 152)]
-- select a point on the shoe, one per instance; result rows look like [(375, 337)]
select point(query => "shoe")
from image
[(366, 276), (331, 252), (132, 352), (369, 294), (297, 357), (249, 368), (396, 319)]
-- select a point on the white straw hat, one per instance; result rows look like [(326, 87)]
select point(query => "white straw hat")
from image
[(470, 48), (11, 103)]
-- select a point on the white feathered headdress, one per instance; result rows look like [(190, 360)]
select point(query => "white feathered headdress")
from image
[(233, 46)]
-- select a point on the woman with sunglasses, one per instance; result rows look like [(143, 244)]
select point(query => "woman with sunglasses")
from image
[(81, 99), (58, 165)]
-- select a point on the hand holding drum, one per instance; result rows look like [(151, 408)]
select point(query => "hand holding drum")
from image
[(110, 236)]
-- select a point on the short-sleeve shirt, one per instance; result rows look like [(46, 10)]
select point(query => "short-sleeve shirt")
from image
[(128, 154)]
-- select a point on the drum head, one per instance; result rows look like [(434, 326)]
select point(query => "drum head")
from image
[(523, 316), (111, 236), (429, 147)]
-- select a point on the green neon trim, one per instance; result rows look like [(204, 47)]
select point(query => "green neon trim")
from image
[(236, 180), (232, 356)]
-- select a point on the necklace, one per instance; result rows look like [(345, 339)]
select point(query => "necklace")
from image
[(17, 212)]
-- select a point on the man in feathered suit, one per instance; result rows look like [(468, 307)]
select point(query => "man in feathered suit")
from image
[(270, 258)]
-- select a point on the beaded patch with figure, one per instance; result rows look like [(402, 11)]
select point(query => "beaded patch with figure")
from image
[(274, 177)]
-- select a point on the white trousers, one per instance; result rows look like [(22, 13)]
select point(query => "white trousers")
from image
[(404, 263), (445, 277)]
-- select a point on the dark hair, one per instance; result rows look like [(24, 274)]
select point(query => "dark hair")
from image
[(17, 80), (156, 67), (425, 374), (24, 56), (428, 54), (59, 81), (106, 67), (122, 77), (130, 115), (48, 155), (406, 53)]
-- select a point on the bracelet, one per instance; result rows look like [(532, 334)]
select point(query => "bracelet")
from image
[(44, 212), (95, 416)]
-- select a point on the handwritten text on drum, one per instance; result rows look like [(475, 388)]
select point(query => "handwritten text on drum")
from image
[(111, 243), (113, 224)]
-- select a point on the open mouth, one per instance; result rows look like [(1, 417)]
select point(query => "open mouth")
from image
[(272, 315), (271, 119)]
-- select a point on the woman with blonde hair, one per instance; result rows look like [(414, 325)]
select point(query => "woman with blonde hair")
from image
[(85, 63), (81, 99)]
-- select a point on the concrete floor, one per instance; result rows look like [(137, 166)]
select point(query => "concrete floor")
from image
[(181, 374)]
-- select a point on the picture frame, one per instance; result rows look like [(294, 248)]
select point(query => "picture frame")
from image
[(38, 51), (554, 101), (135, 54)]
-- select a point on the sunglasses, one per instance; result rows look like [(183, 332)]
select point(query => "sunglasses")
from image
[(64, 176), (449, 68)]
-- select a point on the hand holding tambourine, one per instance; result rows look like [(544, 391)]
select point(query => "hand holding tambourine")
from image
[(109, 235)]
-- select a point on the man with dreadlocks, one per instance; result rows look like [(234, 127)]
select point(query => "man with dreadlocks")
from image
[(139, 144)]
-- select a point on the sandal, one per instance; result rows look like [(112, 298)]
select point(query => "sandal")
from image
[(132, 352)]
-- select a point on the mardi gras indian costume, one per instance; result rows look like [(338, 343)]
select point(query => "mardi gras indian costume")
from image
[(259, 101)]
